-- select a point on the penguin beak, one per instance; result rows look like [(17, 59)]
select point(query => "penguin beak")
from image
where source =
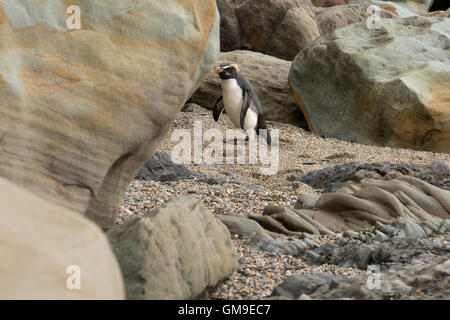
[(218, 70)]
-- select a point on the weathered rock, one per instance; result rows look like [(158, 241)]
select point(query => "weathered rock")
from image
[(82, 109), (362, 253), (356, 84), (260, 239), (267, 26), (306, 201), (403, 8), (295, 286), (330, 179), (241, 225), (415, 208), (266, 243), (422, 278), (409, 227), (332, 3), (268, 77), (174, 252), (330, 19), (161, 168), (42, 245)]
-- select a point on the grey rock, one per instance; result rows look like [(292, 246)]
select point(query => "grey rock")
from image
[(306, 201), (380, 236), (373, 84), (175, 252), (329, 179), (409, 227), (443, 269), (351, 234), (295, 286), (161, 168)]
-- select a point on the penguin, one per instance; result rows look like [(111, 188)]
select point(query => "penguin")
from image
[(240, 102)]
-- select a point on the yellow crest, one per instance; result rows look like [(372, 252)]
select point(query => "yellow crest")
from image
[(236, 67)]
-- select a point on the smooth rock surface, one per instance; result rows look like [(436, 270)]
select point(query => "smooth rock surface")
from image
[(175, 252), (80, 110), (40, 241), (356, 84)]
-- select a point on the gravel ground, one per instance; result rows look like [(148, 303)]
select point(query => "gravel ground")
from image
[(300, 151)]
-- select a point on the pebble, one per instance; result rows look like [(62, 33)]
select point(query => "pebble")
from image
[(245, 190)]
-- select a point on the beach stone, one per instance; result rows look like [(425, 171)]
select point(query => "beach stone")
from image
[(297, 285), (443, 269), (306, 201), (161, 168), (175, 252), (240, 225), (375, 95), (269, 78), (44, 246), (82, 109), (409, 227)]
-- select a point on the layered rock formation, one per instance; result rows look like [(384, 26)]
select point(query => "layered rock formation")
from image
[(82, 109)]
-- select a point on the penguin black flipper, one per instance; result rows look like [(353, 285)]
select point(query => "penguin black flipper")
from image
[(218, 108), (245, 105)]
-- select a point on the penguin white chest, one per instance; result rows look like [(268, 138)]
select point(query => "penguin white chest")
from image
[(232, 100)]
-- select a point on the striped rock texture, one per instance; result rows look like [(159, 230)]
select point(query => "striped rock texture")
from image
[(80, 110)]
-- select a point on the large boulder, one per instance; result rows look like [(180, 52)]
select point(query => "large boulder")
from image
[(80, 110), (385, 87), (268, 77), (174, 252), (330, 19), (47, 250), (280, 28)]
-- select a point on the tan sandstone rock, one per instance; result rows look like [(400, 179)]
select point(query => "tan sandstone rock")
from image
[(80, 110), (39, 241)]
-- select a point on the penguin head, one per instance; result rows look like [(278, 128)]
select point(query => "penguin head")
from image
[(227, 70)]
